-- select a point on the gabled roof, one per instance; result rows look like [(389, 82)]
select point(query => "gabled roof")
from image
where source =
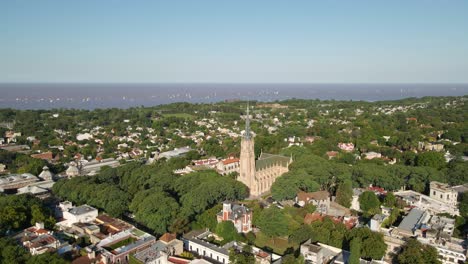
[(266, 160)]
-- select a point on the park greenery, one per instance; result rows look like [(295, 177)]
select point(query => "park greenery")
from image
[(18, 212)]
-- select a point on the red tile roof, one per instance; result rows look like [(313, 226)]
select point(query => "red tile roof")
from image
[(229, 161), (167, 237)]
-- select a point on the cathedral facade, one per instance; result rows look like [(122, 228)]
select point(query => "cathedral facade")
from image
[(259, 174)]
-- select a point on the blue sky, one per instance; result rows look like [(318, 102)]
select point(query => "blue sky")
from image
[(234, 41)]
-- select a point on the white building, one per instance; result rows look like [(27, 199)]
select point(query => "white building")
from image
[(80, 214), (84, 136), (427, 203), (196, 242), (444, 193), (227, 166)]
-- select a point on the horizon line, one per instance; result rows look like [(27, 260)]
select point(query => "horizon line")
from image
[(100, 82)]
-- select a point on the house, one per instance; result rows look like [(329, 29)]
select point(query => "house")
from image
[(348, 147), (355, 200), (161, 251), (39, 240), (48, 156), (428, 146), (118, 247), (317, 253), (332, 154), (80, 214), (240, 215), (197, 242), (372, 155), (376, 222), (84, 136), (424, 202), (320, 199), (227, 166), (443, 192)]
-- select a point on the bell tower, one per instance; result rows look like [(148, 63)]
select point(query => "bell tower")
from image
[(247, 158)]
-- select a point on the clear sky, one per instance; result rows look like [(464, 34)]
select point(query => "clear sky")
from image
[(234, 41)]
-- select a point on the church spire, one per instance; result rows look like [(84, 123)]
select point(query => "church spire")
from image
[(247, 134)]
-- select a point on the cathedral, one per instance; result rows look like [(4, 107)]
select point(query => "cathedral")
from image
[(259, 174)]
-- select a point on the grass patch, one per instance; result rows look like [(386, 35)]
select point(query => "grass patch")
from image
[(278, 245), (122, 243)]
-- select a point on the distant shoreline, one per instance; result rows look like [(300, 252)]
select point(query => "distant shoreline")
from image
[(126, 95)]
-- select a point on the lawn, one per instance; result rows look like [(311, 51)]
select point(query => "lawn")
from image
[(277, 244)]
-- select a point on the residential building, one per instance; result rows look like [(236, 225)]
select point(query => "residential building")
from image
[(427, 203), (161, 251), (372, 155), (320, 199), (240, 215), (39, 240), (347, 147), (443, 192), (227, 166), (197, 243), (118, 247), (80, 214), (376, 222), (317, 253)]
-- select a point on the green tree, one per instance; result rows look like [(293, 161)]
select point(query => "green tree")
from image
[(355, 249), (432, 159), (207, 219), (416, 253), (273, 222), (372, 243), (243, 256), (369, 203), (155, 209), (227, 231), (390, 200), (463, 205), (344, 194)]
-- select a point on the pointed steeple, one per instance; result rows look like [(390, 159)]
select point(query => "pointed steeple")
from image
[(247, 134)]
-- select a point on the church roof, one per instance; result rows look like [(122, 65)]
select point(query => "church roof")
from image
[(266, 160)]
